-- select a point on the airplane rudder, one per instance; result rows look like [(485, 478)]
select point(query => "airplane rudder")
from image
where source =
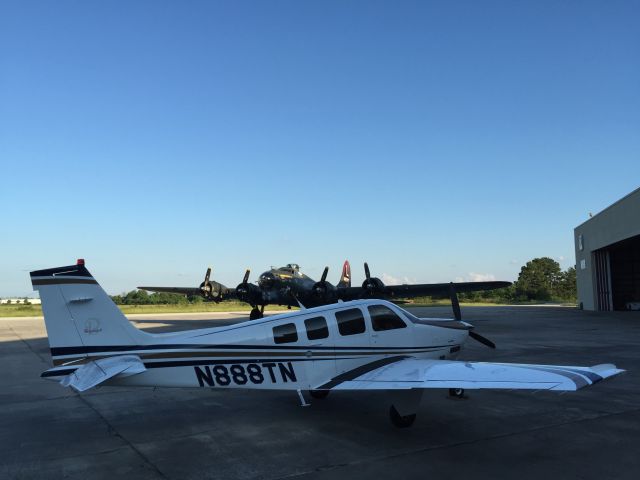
[(78, 312), (345, 277)]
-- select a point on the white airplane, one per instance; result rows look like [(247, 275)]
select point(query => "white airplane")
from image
[(356, 345)]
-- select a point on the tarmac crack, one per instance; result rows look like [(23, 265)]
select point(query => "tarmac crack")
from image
[(325, 468), (112, 430)]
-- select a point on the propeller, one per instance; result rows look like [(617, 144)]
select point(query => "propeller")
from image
[(455, 306), (371, 285), (244, 288), (323, 290), (324, 274), (481, 339), (205, 287)]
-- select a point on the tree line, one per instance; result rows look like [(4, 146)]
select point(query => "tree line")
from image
[(142, 297), (540, 280)]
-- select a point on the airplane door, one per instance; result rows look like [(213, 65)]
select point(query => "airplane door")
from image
[(319, 362), (351, 339)]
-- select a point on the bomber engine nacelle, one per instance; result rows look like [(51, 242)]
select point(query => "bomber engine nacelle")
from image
[(323, 291), (372, 285), (247, 292), (212, 291)]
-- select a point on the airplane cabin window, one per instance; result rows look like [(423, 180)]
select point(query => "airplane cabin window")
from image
[(316, 328), (383, 318), (350, 322), (286, 333)]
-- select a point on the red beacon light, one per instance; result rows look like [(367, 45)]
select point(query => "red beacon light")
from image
[(80, 261)]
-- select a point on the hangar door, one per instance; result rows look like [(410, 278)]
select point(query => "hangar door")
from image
[(603, 279), (624, 261)]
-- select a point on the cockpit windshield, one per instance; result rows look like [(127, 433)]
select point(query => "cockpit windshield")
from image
[(410, 316)]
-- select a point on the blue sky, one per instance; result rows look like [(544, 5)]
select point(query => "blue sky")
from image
[(435, 140)]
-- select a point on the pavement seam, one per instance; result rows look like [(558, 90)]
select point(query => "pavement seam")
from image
[(115, 432), (325, 468)]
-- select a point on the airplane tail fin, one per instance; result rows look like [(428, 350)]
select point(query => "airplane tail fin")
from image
[(345, 278), (78, 313)]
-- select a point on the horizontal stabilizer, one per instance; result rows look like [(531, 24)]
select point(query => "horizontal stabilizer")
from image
[(98, 371)]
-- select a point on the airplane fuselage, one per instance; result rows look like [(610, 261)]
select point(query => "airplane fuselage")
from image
[(310, 349)]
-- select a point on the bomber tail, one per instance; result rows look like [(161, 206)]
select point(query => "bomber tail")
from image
[(345, 278), (78, 313)]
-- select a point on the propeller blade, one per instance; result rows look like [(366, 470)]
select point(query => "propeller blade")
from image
[(366, 271), (455, 304), (245, 279), (324, 274), (207, 275), (481, 339)]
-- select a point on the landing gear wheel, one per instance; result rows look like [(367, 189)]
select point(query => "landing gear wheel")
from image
[(400, 421), (255, 314), (319, 394), (456, 392)]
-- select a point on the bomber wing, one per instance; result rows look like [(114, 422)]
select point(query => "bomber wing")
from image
[(180, 290), (416, 290), (410, 373)]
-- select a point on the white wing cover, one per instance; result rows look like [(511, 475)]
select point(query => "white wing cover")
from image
[(98, 371), (417, 373)]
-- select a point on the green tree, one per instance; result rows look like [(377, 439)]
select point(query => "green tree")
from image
[(567, 288), (538, 279)]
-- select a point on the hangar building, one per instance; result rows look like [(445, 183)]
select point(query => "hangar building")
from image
[(608, 257)]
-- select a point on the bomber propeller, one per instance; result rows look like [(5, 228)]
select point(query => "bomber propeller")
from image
[(206, 287), (322, 289), (371, 285)]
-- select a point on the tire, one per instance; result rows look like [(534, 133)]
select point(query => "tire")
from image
[(319, 394), (255, 314), (398, 420), (456, 392)]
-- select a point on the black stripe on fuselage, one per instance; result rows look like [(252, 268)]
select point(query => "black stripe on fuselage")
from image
[(69, 360), (59, 351), (193, 363)]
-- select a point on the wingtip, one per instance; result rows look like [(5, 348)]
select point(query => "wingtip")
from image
[(606, 370)]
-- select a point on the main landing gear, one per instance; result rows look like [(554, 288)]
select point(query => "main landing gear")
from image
[(456, 392), (256, 312), (399, 420), (404, 406)]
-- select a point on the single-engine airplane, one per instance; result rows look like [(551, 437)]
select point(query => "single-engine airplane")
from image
[(289, 286), (357, 345)]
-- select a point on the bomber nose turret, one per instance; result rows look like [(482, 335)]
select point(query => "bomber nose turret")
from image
[(266, 280)]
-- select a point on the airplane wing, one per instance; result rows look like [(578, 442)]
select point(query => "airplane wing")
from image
[(399, 373), (420, 290), (180, 290), (227, 293), (98, 371)]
